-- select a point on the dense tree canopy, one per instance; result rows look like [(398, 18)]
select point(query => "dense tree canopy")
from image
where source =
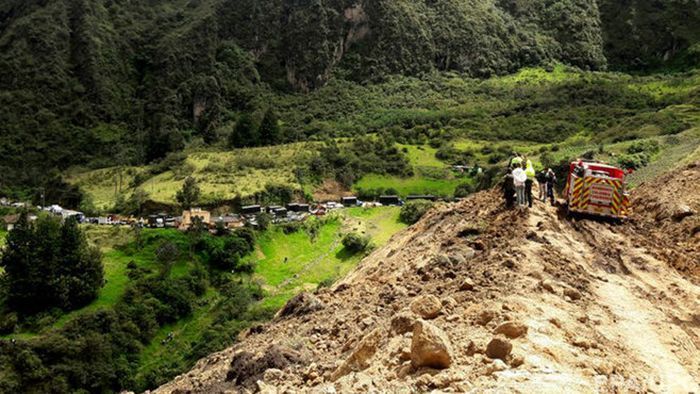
[(115, 83), (48, 264)]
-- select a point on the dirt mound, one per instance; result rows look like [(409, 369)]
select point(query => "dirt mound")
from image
[(478, 297), (667, 213)]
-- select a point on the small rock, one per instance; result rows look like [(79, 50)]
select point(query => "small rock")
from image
[(457, 259), (511, 329), (547, 285), (426, 306), (467, 285), (402, 323), (499, 348), (471, 348), (485, 317), (272, 375), (583, 343), (430, 347), (681, 212), (497, 366), (556, 322), (479, 245), (509, 263), (573, 294), (517, 361)]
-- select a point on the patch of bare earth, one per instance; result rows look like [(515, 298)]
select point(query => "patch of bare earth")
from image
[(475, 297)]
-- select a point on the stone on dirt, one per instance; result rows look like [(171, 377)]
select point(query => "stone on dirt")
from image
[(467, 285), (511, 329), (426, 306), (363, 352), (499, 348), (430, 347), (573, 294)]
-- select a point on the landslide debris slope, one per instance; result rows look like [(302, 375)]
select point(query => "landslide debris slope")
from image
[(478, 297)]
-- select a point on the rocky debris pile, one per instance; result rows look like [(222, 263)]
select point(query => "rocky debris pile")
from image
[(469, 299)]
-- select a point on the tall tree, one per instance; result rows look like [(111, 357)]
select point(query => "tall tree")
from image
[(189, 194), (50, 265), (270, 132), (245, 133)]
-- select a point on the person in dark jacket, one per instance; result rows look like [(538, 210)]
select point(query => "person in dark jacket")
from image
[(551, 180), (508, 188), (542, 182)]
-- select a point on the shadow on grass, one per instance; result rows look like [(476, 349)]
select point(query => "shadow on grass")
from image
[(344, 255)]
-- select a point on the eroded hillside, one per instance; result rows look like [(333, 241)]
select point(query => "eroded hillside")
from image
[(475, 296)]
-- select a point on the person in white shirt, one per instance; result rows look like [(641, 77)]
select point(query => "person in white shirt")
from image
[(519, 178)]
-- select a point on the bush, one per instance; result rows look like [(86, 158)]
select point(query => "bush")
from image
[(412, 211), (356, 243), (464, 189), (649, 146), (634, 161)]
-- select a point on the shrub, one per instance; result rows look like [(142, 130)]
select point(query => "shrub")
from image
[(464, 189), (649, 146), (412, 211), (356, 243), (634, 161)]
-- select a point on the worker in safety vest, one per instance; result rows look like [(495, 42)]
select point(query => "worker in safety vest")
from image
[(516, 161), (530, 172)]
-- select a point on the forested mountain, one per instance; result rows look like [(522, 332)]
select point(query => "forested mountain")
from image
[(112, 82)]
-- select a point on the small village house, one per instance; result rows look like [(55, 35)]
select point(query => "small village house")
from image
[(231, 222), (189, 215)]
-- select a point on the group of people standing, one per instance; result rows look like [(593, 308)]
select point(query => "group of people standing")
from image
[(519, 179)]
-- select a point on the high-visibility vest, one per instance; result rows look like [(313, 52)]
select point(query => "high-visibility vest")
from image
[(530, 170)]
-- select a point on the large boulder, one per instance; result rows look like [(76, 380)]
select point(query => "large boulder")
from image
[(430, 347), (426, 306)]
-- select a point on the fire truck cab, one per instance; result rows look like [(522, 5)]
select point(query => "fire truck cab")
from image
[(598, 189)]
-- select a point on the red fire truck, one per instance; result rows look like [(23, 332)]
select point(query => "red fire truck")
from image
[(598, 189)]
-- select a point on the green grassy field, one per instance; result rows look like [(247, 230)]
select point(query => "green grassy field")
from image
[(311, 260), (409, 186)]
